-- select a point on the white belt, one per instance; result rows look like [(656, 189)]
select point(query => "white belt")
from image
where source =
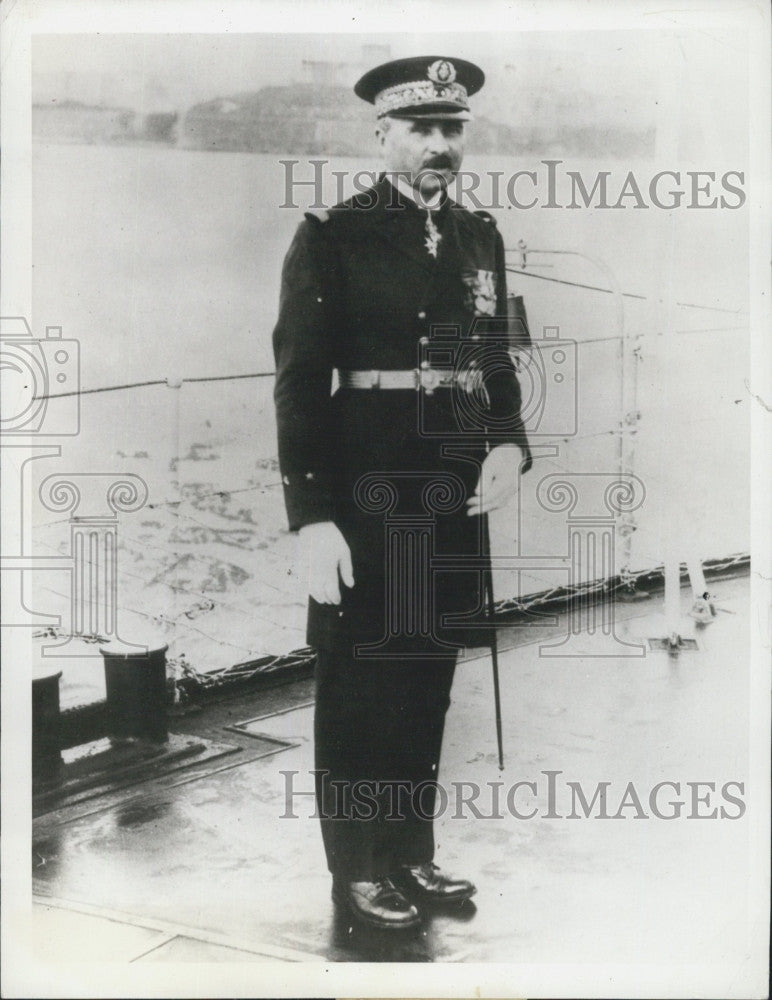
[(428, 379)]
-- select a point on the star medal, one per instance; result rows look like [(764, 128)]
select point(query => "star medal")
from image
[(432, 235), (480, 292)]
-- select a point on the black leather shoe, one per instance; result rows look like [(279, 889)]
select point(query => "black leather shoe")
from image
[(379, 904), (427, 882)]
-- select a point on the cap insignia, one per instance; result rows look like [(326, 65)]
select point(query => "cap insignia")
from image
[(442, 71)]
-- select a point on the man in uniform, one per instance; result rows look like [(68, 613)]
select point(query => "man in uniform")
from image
[(389, 478)]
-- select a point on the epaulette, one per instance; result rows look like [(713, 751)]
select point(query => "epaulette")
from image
[(317, 215), (482, 214)]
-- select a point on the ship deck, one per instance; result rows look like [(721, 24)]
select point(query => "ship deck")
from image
[(201, 865)]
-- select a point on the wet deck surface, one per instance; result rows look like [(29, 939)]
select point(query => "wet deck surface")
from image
[(201, 866)]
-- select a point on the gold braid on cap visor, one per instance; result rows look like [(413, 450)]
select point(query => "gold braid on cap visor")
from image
[(409, 95)]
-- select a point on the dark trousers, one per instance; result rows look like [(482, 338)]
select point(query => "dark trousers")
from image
[(378, 730)]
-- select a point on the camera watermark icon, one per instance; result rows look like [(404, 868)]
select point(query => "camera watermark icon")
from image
[(41, 399), (548, 386), (40, 381), (502, 382)]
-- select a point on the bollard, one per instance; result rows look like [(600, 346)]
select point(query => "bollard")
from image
[(46, 744), (136, 693)]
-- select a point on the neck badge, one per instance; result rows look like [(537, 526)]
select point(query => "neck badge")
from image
[(433, 236)]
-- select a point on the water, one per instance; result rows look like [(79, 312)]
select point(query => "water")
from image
[(166, 263)]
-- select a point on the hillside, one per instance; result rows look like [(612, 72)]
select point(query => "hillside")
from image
[(314, 120)]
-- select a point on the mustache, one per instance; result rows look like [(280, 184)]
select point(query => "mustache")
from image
[(441, 162)]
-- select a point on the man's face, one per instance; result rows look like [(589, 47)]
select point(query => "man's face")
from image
[(427, 151)]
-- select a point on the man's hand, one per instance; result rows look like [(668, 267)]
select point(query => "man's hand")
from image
[(498, 479), (328, 558)]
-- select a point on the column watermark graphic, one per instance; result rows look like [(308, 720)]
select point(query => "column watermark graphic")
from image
[(409, 545), (93, 550), (592, 504)]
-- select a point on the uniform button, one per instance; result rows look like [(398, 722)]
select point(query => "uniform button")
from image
[(309, 475), (422, 315)]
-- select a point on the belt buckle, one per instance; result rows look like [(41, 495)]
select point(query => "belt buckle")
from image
[(375, 378), (429, 379)]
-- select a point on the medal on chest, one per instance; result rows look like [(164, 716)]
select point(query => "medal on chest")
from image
[(480, 291)]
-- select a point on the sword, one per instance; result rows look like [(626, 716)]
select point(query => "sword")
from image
[(494, 642)]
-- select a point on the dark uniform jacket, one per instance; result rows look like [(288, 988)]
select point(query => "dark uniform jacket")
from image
[(360, 291)]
